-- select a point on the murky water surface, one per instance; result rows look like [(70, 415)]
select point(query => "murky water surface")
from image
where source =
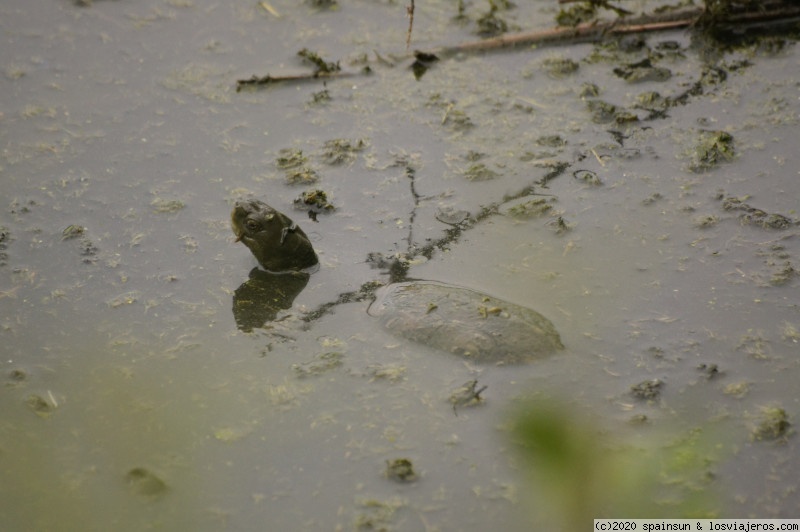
[(131, 400)]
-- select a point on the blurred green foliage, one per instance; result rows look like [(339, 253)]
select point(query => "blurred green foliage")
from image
[(579, 473)]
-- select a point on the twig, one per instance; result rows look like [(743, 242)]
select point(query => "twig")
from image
[(410, 11), (260, 81)]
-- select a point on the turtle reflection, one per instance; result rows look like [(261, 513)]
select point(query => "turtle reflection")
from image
[(258, 300)]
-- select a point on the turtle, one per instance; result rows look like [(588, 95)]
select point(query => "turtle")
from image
[(474, 325), (459, 320), (274, 239)]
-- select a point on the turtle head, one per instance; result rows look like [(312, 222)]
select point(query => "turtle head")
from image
[(273, 238)]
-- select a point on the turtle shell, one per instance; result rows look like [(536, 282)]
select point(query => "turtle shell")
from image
[(468, 323)]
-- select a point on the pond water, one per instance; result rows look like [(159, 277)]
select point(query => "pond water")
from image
[(660, 239)]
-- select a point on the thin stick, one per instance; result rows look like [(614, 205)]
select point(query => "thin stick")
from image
[(589, 31), (255, 81), (410, 11)]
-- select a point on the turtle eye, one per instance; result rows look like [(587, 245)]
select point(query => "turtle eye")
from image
[(252, 225)]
